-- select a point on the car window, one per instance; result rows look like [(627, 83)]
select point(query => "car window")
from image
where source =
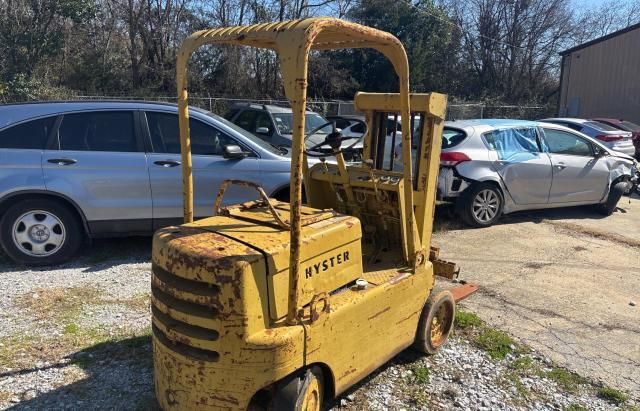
[(284, 122), (631, 126), (98, 131), (561, 142), (247, 120), (205, 139), (30, 135), (263, 120), (451, 137), (513, 143), (231, 113), (600, 126), (576, 127)]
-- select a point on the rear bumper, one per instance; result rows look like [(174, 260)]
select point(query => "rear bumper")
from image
[(185, 383), (450, 183)]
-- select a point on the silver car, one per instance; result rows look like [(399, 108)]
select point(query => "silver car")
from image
[(609, 136), (495, 167), (78, 170)]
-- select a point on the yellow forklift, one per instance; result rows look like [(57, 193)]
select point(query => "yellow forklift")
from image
[(278, 306)]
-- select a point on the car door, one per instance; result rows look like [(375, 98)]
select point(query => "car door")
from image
[(579, 175), (210, 168), (21, 148), (524, 168), (96, 158)]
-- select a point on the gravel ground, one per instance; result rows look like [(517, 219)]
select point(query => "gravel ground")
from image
[(77, 337)]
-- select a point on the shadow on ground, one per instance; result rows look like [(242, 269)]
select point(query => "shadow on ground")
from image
[(447, 219), (98, 255), (118, 375)]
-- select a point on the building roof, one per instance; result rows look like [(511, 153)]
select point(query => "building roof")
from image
[(601, 39)]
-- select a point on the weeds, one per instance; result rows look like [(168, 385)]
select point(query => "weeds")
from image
[(421, 373), (465, 320), (59, 303), (612, 395), (522, 364), (71, 328), (576, 407), (568, 380), (497, 343)]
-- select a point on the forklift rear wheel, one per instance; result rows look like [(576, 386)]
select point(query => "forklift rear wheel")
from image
[(301, 392), (436, 322)]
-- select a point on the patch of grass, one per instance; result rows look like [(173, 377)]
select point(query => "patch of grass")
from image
[(567, 380), (612, 395), (14, 349), (576, 407), (420, 398), (71, 328), (465, 320), (139, 302), (496, 343), (522, 364), (421, 373), (58, 302)]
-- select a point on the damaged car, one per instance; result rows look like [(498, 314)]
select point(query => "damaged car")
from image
[(495, 167)]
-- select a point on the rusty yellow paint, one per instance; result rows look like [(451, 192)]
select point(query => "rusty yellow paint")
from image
[(265, 289)]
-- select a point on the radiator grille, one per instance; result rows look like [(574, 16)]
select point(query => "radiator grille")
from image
[(184, 314)]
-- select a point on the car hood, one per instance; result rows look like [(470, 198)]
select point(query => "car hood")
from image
[(621, 156)]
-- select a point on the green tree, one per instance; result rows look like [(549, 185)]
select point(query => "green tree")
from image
[(424, 29)]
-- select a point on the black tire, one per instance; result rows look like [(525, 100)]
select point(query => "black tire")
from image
[(474, 194), (440, 307), (615, 194), (291, 392), (67, 224)]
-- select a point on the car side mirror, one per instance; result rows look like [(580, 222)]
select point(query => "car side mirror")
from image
[(263, 130), (599, 152), (233, 152)]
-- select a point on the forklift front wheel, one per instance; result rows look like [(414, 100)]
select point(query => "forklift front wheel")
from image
[(436, 322), (301, 392)]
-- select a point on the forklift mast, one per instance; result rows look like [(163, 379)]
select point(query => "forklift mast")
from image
[(293, 41)]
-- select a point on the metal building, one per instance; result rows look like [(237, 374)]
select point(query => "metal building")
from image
[(601, 78)]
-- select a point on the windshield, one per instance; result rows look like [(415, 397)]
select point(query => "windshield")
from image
[(249, 136), (600, 126), (284, 122), (630, 125)]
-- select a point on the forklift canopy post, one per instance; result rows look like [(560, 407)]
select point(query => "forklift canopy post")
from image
[(293, 40)]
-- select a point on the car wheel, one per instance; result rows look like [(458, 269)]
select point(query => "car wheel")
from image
[(481, 205), (615, 194), (435, 323), (40, 232)]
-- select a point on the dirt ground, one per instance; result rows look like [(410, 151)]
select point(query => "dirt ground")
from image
[(558, 281), (565, 282)]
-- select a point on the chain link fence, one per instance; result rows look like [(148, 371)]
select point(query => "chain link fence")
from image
[(455, 111)]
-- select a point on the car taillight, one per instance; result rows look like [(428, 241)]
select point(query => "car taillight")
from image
[(609, 138), (453, 158)]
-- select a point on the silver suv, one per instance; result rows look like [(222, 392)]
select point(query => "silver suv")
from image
[(77, 170)]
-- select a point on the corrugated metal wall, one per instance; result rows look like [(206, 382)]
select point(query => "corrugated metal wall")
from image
[(603, 79)]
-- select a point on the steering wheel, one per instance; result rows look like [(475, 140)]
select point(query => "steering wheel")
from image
[(333, 139)]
